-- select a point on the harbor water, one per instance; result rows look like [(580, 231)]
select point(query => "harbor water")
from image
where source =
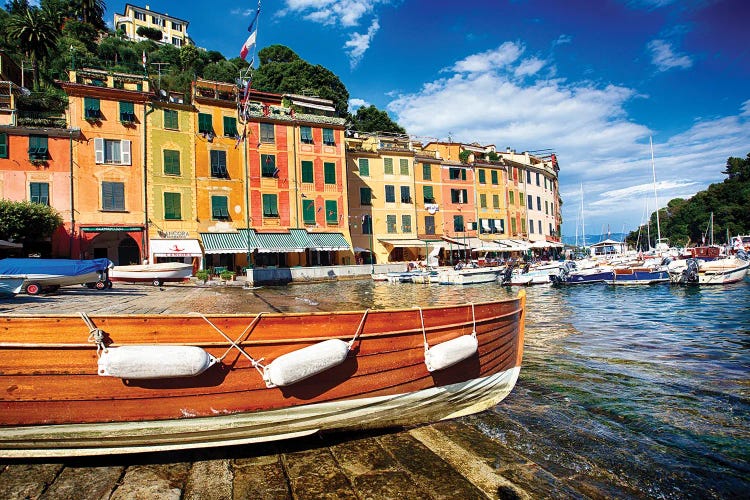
[(636, 391)]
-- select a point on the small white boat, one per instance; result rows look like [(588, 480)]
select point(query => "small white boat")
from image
[(468, 275), (157, 274), (714, 272)]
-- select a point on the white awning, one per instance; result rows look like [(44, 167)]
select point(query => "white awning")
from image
[(175, 248), (410, 243)]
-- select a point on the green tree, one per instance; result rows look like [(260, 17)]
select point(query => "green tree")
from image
[(222, 71), (688, 221), (189, 54), (26, 221), (150, 33), (282, 71), (90, 11), (371, 119), (36, 36)]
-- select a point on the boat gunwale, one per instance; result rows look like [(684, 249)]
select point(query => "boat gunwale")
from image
[(248, 341), (264, 313)]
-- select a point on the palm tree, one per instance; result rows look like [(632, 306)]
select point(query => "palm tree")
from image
[(90, 11), (36, 36)]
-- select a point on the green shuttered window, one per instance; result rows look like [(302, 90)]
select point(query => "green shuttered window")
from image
[(113, 196), (332, 212), (171, 162), (307, 171), (364, 167), (171, 120), (219, 207), (329, 169), (205, 123), (172, 206), (270, 205), (308, 211)]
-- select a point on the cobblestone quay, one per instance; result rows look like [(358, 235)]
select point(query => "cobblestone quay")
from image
[(445, 460)]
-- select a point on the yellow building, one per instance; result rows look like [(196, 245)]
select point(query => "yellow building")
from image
[(173, 29), (382, 198), (170, 183)]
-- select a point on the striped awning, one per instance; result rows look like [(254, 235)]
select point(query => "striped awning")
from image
[(242, 241), (329, 241), (278, 242)]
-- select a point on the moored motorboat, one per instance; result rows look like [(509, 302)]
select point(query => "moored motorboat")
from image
[(714, 272), (468, 275), (157, 274), (144, 383)]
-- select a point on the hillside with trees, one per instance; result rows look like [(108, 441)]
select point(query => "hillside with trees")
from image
[(686, 222), (57, 35)]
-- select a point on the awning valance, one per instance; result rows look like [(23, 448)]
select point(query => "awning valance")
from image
[(481, 245), (329, 241), (513, 245), (405, 243), (175, 248), (241, 241)]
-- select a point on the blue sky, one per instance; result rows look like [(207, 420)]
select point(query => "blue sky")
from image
[(590, 80)]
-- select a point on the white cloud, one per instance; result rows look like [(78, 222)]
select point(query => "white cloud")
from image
[(498, 58), (563, 40), (529, 67), (355, 104), (346, 13), (480, 99), (664, 57), (358, 43)]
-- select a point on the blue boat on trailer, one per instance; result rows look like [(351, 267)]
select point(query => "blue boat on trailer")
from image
[(47, 275)]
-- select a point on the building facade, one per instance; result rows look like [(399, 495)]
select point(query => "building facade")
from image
[(108, 181), (173, 29)]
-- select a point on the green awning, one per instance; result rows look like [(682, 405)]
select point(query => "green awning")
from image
[(329, 241), (241, 241), (278, 242), (301, 237)]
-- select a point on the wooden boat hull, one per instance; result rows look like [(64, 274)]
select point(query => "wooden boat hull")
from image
[(53, 402)]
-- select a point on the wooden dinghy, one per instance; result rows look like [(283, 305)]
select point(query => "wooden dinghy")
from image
[(75, 385)]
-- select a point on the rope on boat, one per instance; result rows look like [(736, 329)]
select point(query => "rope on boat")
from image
[(96, 335), (255, 363), (424, 333), (359, 329), (450, 352)]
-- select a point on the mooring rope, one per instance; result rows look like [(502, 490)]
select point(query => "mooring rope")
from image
[(359, 329), (255, 363), (96, 335)]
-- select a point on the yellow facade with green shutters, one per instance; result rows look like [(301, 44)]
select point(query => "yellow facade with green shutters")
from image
[(171, 171)]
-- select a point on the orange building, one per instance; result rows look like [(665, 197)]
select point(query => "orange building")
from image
[(109, 108), (36, 166)]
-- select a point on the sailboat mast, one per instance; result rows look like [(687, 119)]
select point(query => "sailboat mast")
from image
[(583, 221), (656, 198)]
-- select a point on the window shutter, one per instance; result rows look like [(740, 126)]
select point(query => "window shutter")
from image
[(404, 166), (3, 145), (364, 167), (464, 195), (119, 192), (426, 171), (330, 173), (125, 145), (388, 165), (98, 150), (428, 194), (308, 211), (332, 212), (307, 171), (463, 174)]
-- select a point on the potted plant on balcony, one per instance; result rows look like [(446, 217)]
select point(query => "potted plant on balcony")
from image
[(227, 275)]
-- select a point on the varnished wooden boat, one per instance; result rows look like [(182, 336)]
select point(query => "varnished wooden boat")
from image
[(55, 401)]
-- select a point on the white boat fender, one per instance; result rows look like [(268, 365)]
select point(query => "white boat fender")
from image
[(298, 365), (450, 352), (154, 361)]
